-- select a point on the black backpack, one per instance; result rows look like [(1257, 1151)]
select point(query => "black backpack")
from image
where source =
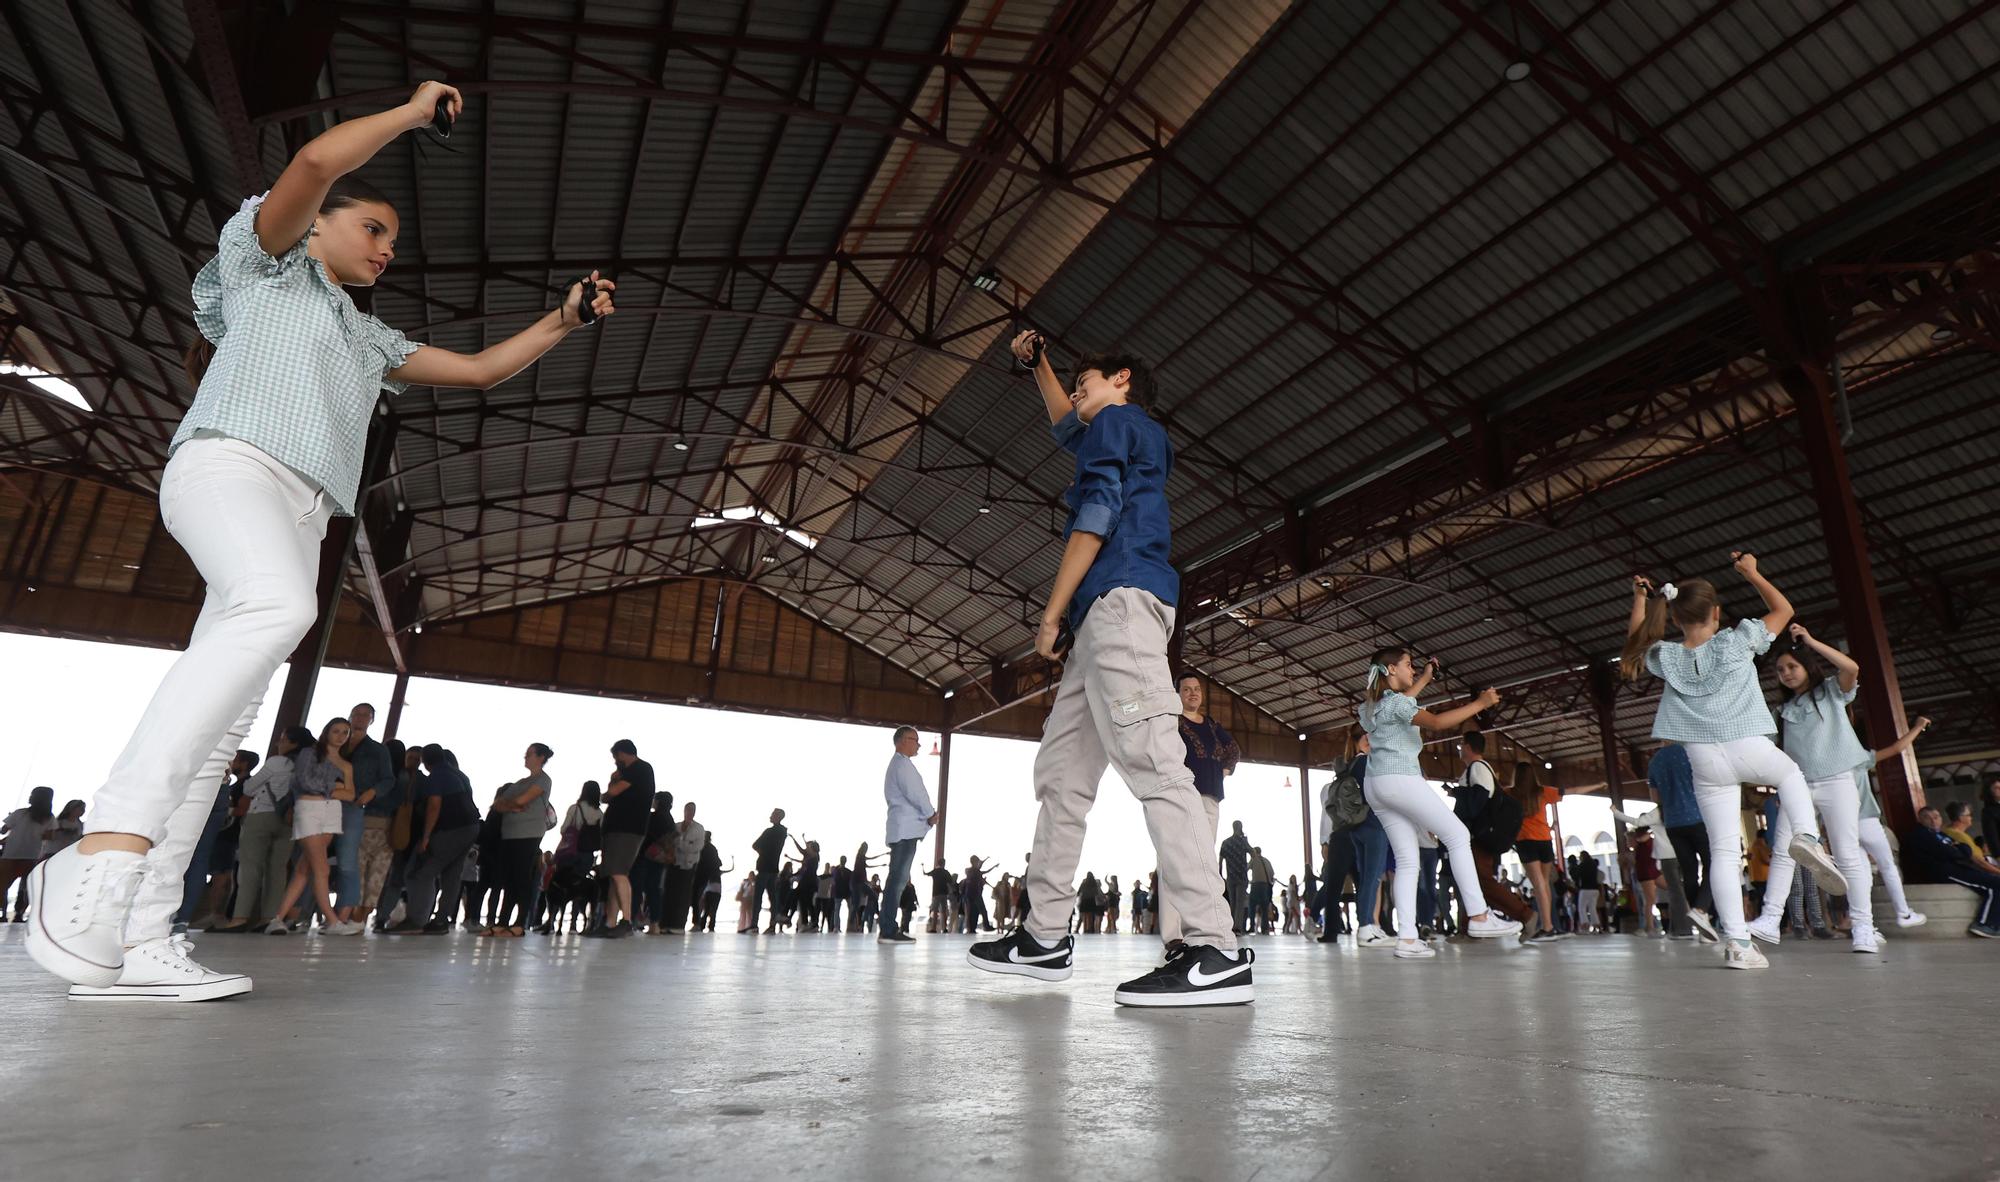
[(1499, 825)]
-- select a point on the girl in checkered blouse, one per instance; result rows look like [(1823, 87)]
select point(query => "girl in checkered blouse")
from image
[(272, 448), (1714, 707)]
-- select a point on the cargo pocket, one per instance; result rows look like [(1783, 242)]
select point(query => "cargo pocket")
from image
[(1145, 744)]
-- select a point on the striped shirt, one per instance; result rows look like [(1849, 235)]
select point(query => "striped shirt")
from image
[(1393, 739), (1712, 695), (297, 367), (1818, 735)]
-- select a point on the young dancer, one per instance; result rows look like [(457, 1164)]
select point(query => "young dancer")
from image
[(1713, 707), (1875, 839), (1821, 740), (1405, 801), (271, 449), (1115, 590)]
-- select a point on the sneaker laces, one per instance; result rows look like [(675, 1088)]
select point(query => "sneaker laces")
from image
[(114, 890)]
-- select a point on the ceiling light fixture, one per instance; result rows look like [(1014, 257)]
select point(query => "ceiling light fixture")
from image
[(1517, 71), (987, 280), (1943, 333), (983, 509), (950, 694), (680, 444)]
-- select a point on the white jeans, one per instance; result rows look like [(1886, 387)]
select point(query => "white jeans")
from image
[(1875, 843), (1840, 809), (1407, 806), (1720, 771), (253, 528)]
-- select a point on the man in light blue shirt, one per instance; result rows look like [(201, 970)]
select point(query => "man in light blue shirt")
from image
[(910, 817)]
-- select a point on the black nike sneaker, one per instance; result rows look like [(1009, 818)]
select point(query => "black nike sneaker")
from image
[(1024, 956), (1202, 975)]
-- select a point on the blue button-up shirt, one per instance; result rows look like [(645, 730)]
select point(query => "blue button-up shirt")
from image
[(909, 804), (1123, 460)]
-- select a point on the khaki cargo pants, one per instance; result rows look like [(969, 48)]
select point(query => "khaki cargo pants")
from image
[(1117, 707)]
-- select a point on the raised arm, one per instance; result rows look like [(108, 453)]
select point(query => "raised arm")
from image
[(1642, 588), (1903, 741), (1844, 666), (1055, 399), (1777, 609), (1425, 678), (294, 201), (432, 366), (1451, 719)]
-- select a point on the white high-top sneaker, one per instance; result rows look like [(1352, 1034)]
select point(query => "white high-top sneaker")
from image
[(79, 903), (164, 969)]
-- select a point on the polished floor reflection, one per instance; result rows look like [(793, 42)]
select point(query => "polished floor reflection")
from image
[(830, 1057)]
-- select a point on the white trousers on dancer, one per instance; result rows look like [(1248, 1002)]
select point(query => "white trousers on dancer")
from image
[(1117, 707), (1720, 771), (1840, 810), (1586, 909), (1875, 843), (1407, 806), (253, 528)]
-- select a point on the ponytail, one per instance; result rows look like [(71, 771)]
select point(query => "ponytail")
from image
[(1692, 603), (1652, 630), (1378, 671)]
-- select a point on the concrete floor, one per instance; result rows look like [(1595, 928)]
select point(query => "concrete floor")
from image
[(828, 1057)]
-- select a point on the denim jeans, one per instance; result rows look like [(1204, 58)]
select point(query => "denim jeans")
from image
[(1427, 887), (195, 879), (347, 849), (901, 854), (1371, 858)]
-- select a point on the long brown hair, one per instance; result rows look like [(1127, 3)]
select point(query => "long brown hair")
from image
[(345, 192), (1693, 603), (1385, 657), (1526, 788)]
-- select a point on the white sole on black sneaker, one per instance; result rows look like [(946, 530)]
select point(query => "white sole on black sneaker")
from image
[(1017, 969), (207, 991), (1231, 995)]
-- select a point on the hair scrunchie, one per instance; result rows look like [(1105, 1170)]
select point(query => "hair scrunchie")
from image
[(1668, 591), (1376, 672)]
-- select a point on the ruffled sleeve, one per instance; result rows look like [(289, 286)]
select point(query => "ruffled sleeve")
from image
[(1395, 709), (1754, 635), (240, 260), (388, 345)]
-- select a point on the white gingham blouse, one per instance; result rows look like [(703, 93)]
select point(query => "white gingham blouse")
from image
[(297, 367)]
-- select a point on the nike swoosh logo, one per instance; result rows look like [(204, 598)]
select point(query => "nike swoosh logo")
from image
[(1201, 980), (1014, 954)]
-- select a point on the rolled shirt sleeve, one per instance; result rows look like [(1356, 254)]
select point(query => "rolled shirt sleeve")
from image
[(1101, 459), (1068, 432)]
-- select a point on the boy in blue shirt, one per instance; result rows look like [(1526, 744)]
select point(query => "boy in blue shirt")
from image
[(1113, 600)]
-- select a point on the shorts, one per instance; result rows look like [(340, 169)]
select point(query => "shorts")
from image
[(314, 815), (1536, 851), (620, 851)]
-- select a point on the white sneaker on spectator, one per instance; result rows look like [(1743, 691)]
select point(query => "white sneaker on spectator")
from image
[(345, 928), (164, 970), (1912, 919), (79, 903)]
